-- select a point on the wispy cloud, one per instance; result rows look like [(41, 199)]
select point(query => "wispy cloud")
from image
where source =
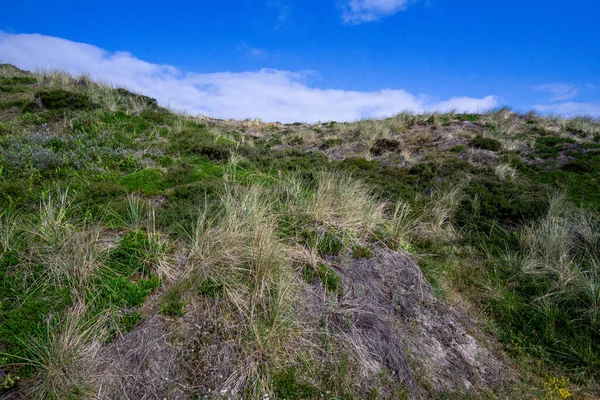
[(361, 11), (283, 9), (570, 108), (251, 51), (559, 91), (272, 95)]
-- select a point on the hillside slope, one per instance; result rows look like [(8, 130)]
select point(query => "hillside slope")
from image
[(148, 254)]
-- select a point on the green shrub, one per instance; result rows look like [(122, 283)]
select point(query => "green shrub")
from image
[(61, 99), (330, 279), (578, 166), (199, 141), (458, 148), (359, 252), (17, 80), (149, 101), (129, 320), (329, 143), (491, 201), (13, 103), (172, 303), (481, 142), (467, 117), (147, 181), (210, 288), (286, 386)]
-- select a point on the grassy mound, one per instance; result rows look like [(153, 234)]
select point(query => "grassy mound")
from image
[(120, 219)]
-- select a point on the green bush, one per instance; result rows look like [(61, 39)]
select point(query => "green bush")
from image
[(17, 80), (359, 252), (330, 279), (61, 99), (210, 288), (172, 304), (329, 143), (286, 386), (483, 143), (147, 181)]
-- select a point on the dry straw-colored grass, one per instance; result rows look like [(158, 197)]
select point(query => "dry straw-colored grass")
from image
[(66, 358)]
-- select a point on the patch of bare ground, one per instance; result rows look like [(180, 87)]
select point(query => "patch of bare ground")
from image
[(432, 348), (387, 320)]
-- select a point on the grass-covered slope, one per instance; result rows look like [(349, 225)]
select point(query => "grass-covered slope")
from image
[(223, 255)]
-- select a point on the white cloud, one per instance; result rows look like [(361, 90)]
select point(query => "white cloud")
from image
[(360, 11), (570, 109), (272, 95), (560, 91)]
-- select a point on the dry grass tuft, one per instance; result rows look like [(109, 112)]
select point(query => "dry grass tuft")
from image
[(344, 204), (239, 249), (505, 171), (67, 358), (402, 223), (439, 210)]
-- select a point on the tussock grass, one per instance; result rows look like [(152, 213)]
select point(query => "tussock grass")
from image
[(584, 127), (53, 225), (9, 229), (238, 248), (504, 123), (439, 210), (403, 222), (562, 249), (343, 204), (66, 358), (505, 171), (75, 261)]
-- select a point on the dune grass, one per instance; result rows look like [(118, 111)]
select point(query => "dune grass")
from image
[(114, 209)]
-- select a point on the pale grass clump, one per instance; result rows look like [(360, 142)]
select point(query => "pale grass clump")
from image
[(9, 228), (504, 123), (403, 222), (562, 249), (505, 171), (438, 212), (517, 144), (57, 79), (583, 126), (239, 241), (67, 357), (345, 204), (76, 261), (136, 105), (179, 124), (8, 70), (71, 254), (372, 129), (407, 155), (53, 225), (239, 247), (106, 96)]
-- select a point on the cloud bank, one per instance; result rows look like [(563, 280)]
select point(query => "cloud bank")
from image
[(361, 11), (272, 95), (562, 100), (570, 109), (559, 91)]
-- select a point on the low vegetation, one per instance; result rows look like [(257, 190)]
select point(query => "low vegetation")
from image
[(120, 218)]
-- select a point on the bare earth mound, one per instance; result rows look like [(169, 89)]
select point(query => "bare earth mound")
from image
[(397, 326)]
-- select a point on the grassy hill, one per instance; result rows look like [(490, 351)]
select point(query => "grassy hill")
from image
[(149, 254)]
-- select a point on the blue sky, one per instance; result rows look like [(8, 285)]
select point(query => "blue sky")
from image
[(327, 59)]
